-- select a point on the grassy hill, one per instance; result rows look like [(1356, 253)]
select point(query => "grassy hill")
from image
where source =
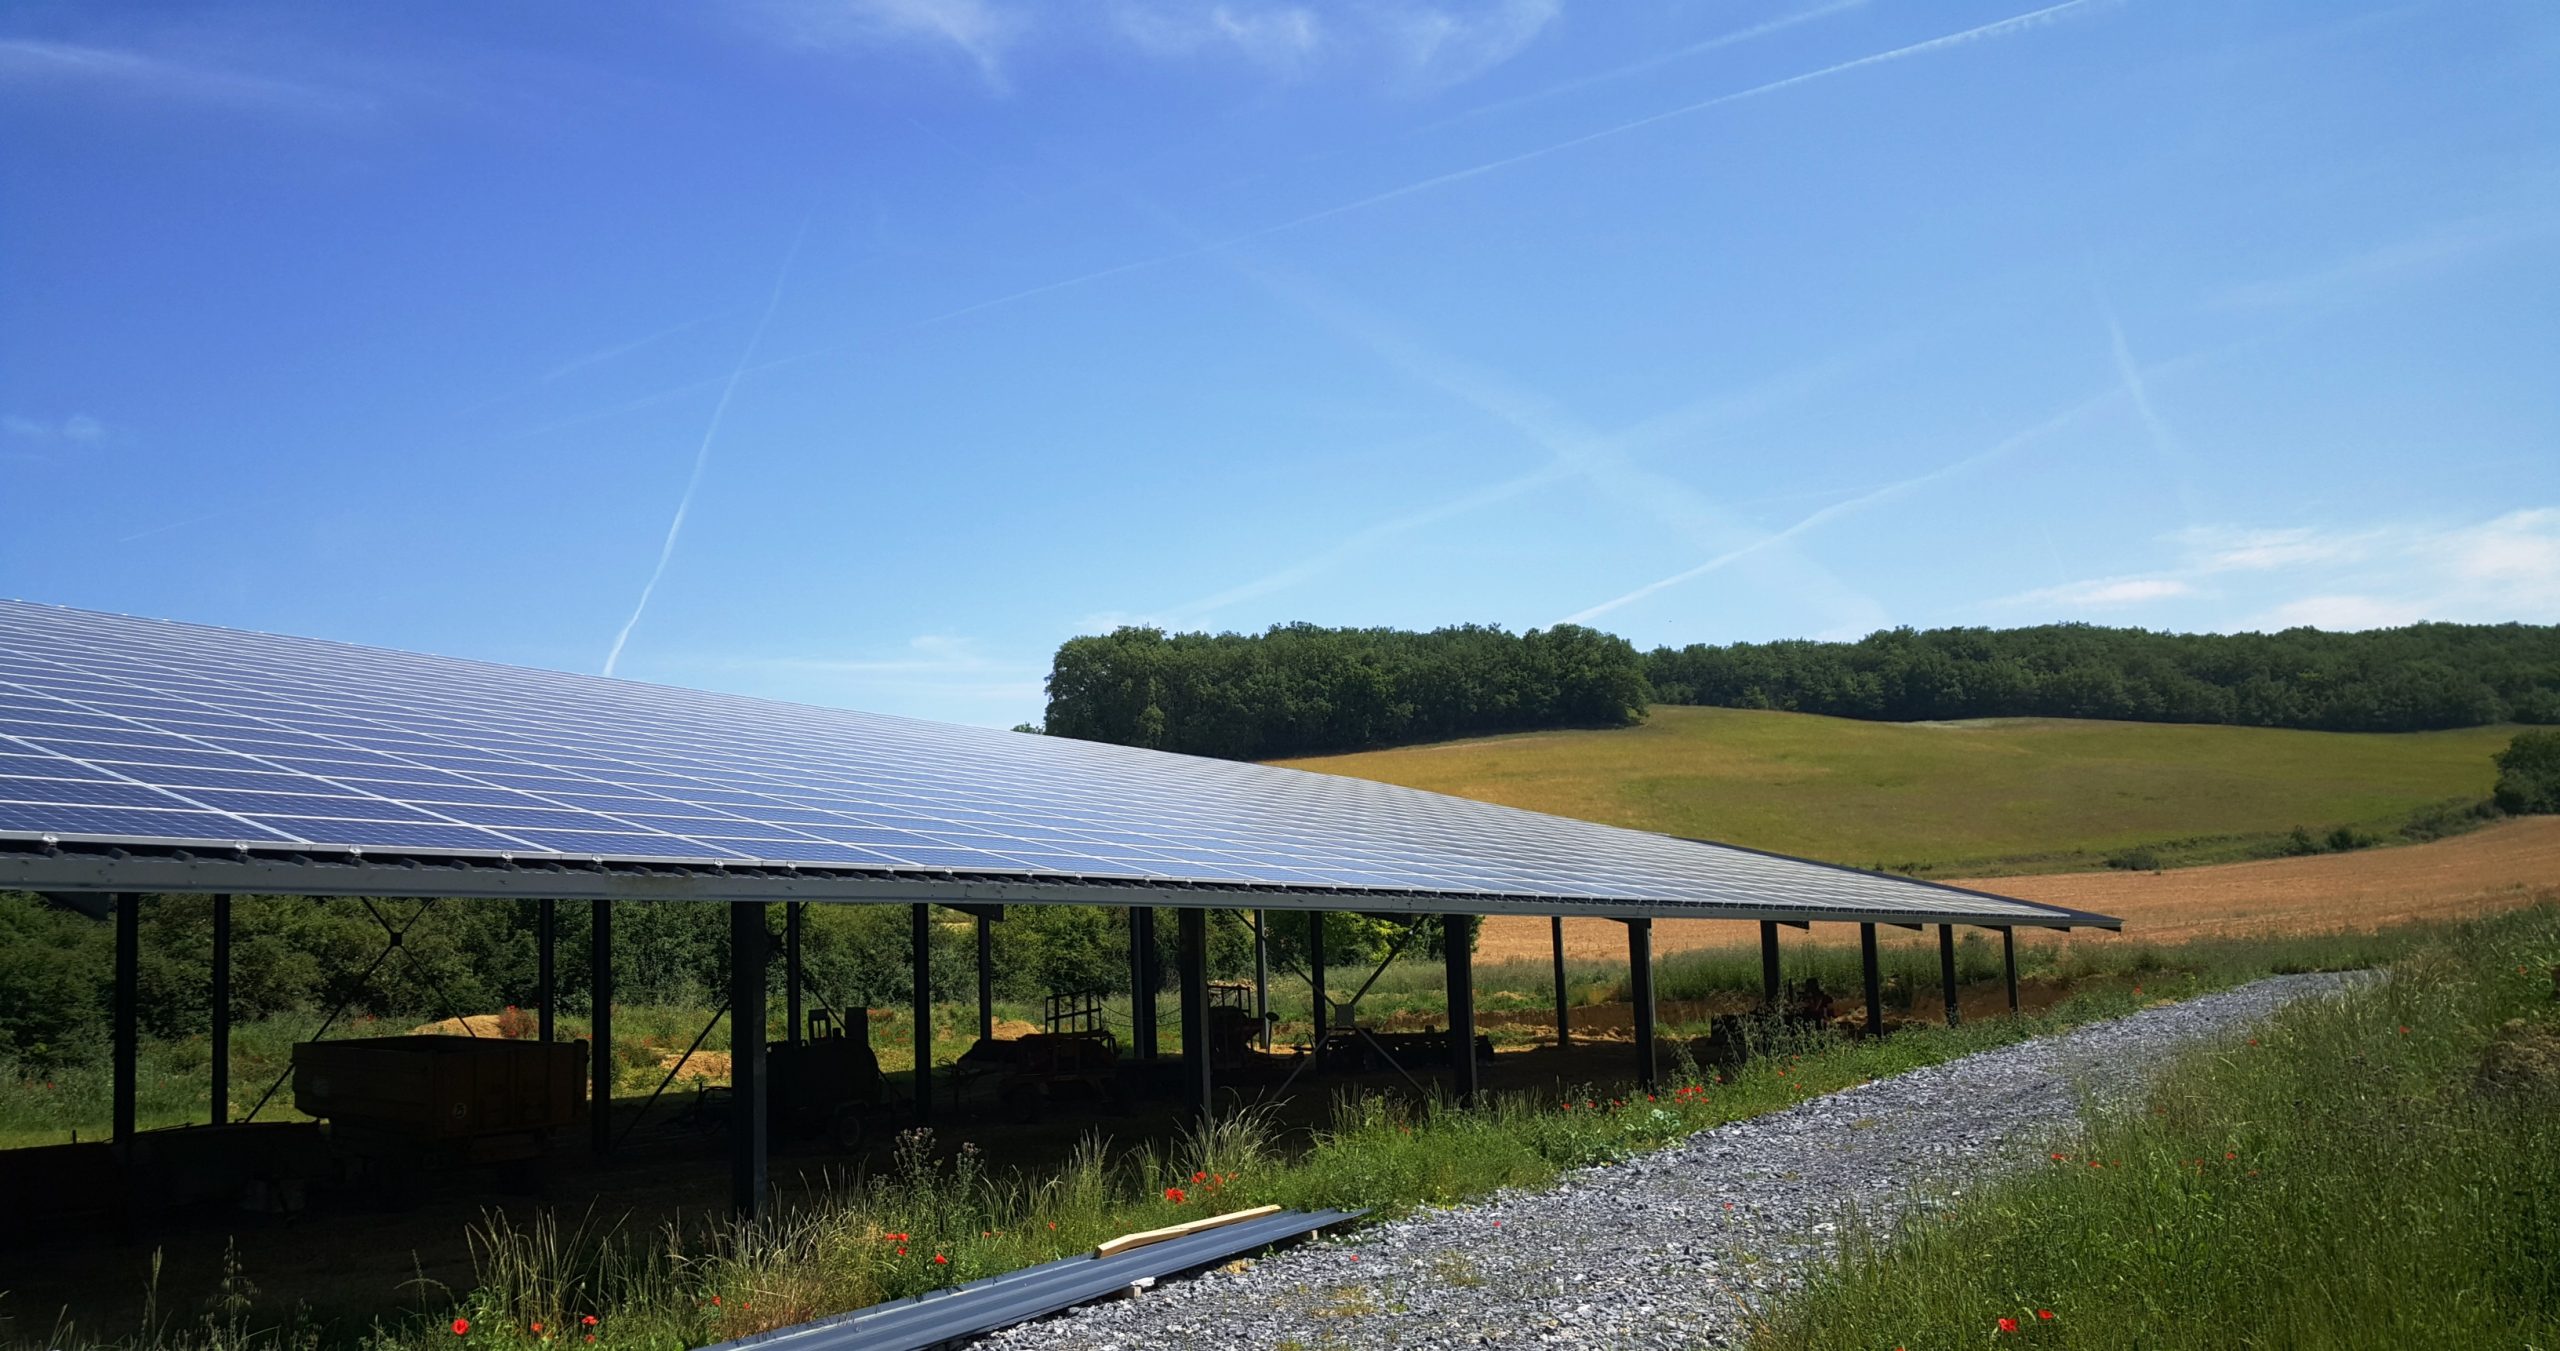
[(1958, 799)]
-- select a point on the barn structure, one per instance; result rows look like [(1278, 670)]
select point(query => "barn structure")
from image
[(142, 757)]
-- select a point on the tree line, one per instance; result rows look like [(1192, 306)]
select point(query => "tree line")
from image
[(2417, 678), (1300, 689)]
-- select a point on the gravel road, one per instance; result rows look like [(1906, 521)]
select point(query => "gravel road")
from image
[(1668, 1249)]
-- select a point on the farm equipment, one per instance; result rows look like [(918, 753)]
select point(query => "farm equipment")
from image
[(1041, 1067), (1351, 1049), (401, 1106), (822, 1086)]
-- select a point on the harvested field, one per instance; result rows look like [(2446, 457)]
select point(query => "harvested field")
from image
[(2492, 869)]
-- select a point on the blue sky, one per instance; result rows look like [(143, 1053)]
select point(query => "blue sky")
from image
[(860, 352)]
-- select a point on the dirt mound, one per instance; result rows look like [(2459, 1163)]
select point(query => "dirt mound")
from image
[(711, 1065), (1014, 1029), (473, 1025)]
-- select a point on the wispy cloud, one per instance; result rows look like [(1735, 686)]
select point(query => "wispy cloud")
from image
[(2369, 575), (982, 33), (1438, 46), (78, 427), (1277, 37), (2436, 249), (1654, 62), (1864, 501), (35, 64), (702, 453)]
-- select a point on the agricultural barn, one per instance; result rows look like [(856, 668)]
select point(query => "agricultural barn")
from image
[(141, 757)]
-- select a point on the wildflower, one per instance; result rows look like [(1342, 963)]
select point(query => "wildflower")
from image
[(589, 1320), (461, 1327), (2404, 1030), (902, 1250), (2057, 1158), (2008, 1325), (1355, 1257), (2044, 1315), (893, 1238), (1198, 1178), (2229, 1155), (1053, 1226), (715, 1301), (2253, 1041), (1174, 1194), (1497, 1224), (940, 1260), (537, 1327)]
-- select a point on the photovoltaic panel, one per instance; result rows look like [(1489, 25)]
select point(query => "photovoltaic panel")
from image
[(127, 731)]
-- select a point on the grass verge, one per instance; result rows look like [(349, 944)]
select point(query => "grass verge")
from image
[(2380, 1169)]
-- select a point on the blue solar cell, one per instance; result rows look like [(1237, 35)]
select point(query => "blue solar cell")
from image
[(49, 765), (131, 823), (84, 792), (610, 844), (541, 761), (390, 834), (305, 804)]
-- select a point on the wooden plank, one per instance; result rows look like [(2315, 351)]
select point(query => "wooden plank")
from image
[(1125, 1242)]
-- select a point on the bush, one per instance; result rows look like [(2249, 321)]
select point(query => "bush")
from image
[(2529, 774), (2142, 858)]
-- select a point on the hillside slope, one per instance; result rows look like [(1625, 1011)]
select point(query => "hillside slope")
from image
[(1976, 798)]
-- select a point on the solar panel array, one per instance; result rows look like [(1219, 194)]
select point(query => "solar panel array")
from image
[(123, 730)]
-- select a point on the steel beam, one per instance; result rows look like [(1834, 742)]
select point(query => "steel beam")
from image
[(1315, 984), (1191, 963), (1149, 977), (792, 922), (546, 952), (748, 1001), (1874, 979), (1947, 970), (127, 1011), (220, 999), (920, 971), (1564, 1007), (1457, 947), (986, 980), (600, 1027), (1262, 978), (1640, 982), (2009, 962), (1770, 986)]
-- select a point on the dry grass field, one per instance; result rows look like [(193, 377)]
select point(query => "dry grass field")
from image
[(1970, 799), (2492, 869)]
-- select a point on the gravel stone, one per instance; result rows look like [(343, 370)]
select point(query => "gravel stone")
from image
[(1674, 1247)]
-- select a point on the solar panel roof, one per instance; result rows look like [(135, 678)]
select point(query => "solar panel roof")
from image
[(117, 731)]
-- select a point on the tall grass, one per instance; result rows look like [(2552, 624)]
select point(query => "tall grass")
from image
[(2377, 1169)]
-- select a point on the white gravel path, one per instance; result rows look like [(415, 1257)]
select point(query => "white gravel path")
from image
[(1670, 1248)]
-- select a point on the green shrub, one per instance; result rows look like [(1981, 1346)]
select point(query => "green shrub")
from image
[(2529, 774)]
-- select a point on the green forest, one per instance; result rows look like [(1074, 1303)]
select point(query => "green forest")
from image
[(2420, 678), (1300, 689)]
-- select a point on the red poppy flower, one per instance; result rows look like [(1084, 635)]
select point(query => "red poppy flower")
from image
[(902, 1250), (2044, 1315), (715, 1301), (940, 1260), (537, 1328), (1174, 1194), (589, 1320), (2008, 1325), (461, 1327), (1198, 1178)]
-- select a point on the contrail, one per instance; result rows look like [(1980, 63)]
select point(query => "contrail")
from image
[(2172, 452), (1838, 509), (702, 453), (1718, 42)]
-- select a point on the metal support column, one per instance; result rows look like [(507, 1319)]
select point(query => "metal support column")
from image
[(2009, 962), (600, 1026), (1770, 985), (1262, 977), (986, 980), (920, 954), (1564, 1006), (221, 1001), (792, 920), (1874, 979), (1145, 979), (1640, 988), (1191, 962), (1947, 970), (1315, 984), (127, 1010), (748, 1001), (1457, 946), (546, 964)]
